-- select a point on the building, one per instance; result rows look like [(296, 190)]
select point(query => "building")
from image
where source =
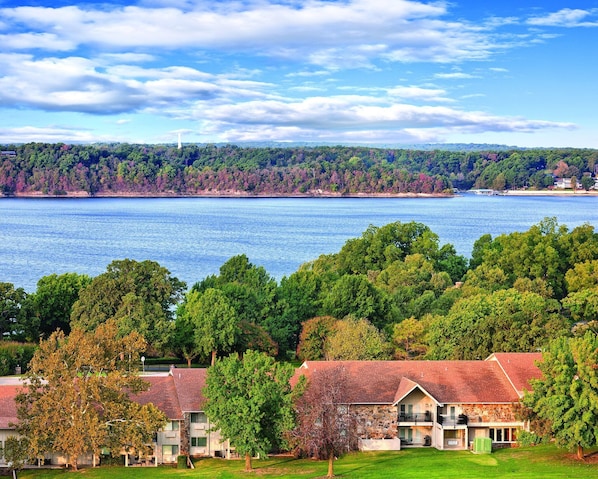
[(441, 404)]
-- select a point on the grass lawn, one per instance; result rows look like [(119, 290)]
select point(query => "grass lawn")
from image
[(543, 462)]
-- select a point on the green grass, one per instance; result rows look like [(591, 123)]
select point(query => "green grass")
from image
[(545, 462)]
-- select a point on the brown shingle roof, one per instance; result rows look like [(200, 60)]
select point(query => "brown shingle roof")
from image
[(189, 384), (381, 382), (8, 407), (519, 368), (161, 394)]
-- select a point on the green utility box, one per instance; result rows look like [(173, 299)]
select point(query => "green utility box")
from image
[(482, 445)]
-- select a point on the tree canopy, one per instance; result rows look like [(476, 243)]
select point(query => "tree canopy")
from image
[(249, 400), (567, 394), (139, 296)]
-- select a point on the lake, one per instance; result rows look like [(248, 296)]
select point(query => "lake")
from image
[(193, 237)]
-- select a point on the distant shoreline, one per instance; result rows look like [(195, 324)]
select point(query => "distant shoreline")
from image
[(241, 194)]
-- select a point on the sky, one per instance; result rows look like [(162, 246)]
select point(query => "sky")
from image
[(372, 72)]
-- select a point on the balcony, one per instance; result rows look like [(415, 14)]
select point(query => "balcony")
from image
[(416, 418), (451, 421)]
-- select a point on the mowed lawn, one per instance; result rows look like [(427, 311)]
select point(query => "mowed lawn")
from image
[(519, 463)]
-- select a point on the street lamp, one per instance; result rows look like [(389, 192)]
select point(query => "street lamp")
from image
[(143, 363)]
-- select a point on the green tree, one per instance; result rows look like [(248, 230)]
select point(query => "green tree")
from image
[(77, 396), (140, 296), (356, 339), (567, 394), (250, 401), (214, 320), (12, 315), (503, 321), (587, 182), (355, 295), (53, 301)]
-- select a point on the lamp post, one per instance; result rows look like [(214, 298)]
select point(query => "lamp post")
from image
[(143, 363)]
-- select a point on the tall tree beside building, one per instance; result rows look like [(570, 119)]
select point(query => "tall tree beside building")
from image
[(77, 398), (249, 400), (567, 395)]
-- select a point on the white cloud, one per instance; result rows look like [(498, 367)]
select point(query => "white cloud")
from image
[(567, 17), (341, 34), (455, 76)]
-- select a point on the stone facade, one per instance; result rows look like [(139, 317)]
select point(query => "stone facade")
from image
[(489, 413), (376, 421)]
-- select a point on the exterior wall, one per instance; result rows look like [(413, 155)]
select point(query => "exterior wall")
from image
[(489, 414), (416, 402), (201, 440), (168, 444), (376, 421)]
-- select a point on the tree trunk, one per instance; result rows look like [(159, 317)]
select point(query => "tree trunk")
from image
[(330, 465), (188, 362), (248, 467), (580, 452), (213, 358)]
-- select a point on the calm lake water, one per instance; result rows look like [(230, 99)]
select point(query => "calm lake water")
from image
[(193, 237)]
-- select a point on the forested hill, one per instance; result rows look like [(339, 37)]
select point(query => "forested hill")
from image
[(124, 169)]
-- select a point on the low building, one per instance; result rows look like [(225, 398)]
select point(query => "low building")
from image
[(441, 404)]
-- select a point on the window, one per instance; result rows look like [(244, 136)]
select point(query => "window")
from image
[(503, 434), (170, 450), (198, 417), (172, 426), (406, 434), (199, 441)]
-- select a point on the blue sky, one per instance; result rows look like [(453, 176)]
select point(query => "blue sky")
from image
[(518, 73)]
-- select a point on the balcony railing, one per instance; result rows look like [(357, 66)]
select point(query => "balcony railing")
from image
[(446, 420), (416, 417)]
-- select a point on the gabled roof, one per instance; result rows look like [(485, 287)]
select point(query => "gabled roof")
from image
[(382, 382), (161, 394), (178, 392), (519, 368), (189, 384)]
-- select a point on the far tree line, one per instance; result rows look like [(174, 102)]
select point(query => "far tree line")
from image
[(393, 293), (114, 169)]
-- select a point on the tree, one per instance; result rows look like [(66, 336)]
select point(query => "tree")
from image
[(356, 339), (503, 321), (140, 296), (214, 319), (409, 338), (53, 301), (355, 295), (11, 310), (314, 333), (326, 427), (77, 399), (567, 394), (250, 401)]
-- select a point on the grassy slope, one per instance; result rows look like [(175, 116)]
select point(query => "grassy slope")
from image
[(544, 462)]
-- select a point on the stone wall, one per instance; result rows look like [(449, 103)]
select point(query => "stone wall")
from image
[(376, 421), (489, 413)]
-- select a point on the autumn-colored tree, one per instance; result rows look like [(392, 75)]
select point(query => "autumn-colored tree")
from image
[(409, 338), (356, 339), (77, 396), (314, 333), (249, 400), (326, 427)]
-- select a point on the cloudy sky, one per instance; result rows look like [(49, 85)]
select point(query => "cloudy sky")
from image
[(515, 72)]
